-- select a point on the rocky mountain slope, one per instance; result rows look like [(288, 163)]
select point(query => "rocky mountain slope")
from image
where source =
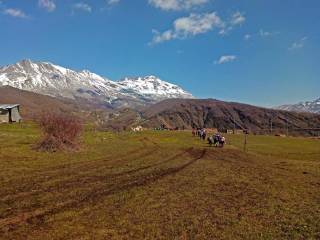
[(209, 113), (310, 106), (49, 79), (181, 113), (33, 104)]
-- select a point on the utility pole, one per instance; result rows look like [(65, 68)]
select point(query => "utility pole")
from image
[(245, 142), (287, 125), (234, 125)]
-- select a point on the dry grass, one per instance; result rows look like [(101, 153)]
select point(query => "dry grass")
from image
[(159, 185)]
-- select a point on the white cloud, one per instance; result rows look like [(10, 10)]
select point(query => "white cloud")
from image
[(82, 6), (176, 4), (264, 33), (162, 37), (48, 5), (112, 2), (298, 44), (192, 25), (247, 36), (15, 13), (236, 19), (261, 33), (197, 23), (226, 59)]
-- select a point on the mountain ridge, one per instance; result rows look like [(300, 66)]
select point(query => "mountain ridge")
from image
[(307, 106), (173, 113), (212, 113), (54, 80)]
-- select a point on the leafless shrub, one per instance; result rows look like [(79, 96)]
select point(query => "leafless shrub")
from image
[(60, 132)]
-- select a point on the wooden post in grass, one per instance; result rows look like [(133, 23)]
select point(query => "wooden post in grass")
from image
[(234, 125), (287, 125), (245, 142)]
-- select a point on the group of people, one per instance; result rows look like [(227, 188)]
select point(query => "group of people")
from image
[(200, 132), (216, 140)]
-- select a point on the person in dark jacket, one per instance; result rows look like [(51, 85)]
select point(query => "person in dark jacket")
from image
[(204, 134)]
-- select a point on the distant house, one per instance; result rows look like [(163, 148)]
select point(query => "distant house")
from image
[(235, 131), (9, 113), (239, 131), (137, 129)]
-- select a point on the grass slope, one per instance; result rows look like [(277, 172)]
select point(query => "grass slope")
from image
[(159, 185)]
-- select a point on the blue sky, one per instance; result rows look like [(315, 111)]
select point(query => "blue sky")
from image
[(259, 52)]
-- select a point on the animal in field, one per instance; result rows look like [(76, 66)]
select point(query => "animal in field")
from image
[(217, 141)]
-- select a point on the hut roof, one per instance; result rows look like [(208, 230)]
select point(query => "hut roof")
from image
[(8, 106)]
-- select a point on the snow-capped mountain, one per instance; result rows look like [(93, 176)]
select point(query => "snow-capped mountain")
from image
[(154, 87), (49, 79), (310, 106)]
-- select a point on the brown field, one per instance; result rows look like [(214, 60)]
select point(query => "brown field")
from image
[(159, 185)]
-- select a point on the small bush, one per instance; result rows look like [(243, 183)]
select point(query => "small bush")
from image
[(60, 132)]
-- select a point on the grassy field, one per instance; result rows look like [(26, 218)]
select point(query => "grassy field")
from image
[(159, 185)]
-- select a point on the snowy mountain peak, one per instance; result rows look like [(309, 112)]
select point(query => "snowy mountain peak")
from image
[(152, 85), (309, 106), (25, 62), (50, 79), (151, 77), (144, 78)]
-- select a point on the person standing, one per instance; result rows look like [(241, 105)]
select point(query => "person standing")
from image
[(204, 134), (200, 133)]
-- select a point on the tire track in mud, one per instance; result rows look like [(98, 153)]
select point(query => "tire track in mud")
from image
[(38, 215), (83, 164), (85, 167), (89, 180), (156, 164)]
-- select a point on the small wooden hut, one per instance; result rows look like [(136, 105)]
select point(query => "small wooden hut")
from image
[(10, 113)]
